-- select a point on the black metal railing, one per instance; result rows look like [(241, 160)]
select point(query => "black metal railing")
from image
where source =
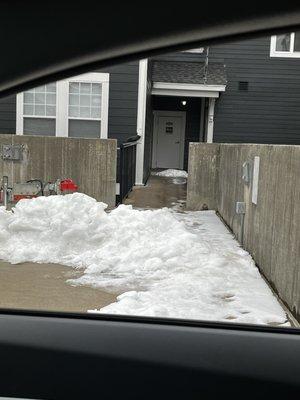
[(126, 164)]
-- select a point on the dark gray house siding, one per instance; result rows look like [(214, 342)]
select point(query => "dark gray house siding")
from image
[(8, 115), (180, 56), (122, 112), (268, 112), (123, 98)]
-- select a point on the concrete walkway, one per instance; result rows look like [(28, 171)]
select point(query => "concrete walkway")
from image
[(159, 192), (43, 287)]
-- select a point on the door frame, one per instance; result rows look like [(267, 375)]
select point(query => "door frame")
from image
[(161, 113)]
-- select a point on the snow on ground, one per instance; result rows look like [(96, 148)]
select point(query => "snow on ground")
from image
[(178, 205), (166, 264), (179, 181), (172, 173)]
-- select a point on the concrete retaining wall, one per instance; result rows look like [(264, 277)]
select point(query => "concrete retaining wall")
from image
[(91, 163), (202, 185), (271, 231)]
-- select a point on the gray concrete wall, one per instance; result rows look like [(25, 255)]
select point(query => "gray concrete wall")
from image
[(202, 185), (91, 163), (271, 230)]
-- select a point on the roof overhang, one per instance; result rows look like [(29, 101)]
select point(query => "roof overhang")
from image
[(186, 89)]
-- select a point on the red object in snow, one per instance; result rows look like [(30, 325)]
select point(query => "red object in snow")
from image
[(68, 185), (18, 197)]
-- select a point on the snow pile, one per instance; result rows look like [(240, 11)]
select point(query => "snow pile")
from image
[(179, 181), (168, 264), (210, 277), (172, 173), (178, 205)]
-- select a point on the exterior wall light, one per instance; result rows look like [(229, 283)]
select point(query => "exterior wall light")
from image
[(183, 102)]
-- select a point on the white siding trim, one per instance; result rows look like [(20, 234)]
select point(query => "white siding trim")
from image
[(210, 121), (19, 117), (90, 77), (141, 120), (189, 86), (62, 103), (199, 50), (104, 110), (184, 93), (186, 89)]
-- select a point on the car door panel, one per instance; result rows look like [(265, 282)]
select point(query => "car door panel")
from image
[(53, 357)]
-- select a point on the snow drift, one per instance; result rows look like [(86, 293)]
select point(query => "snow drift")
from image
[(172, 173), (168, 264)]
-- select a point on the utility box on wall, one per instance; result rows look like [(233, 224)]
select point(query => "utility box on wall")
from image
[(247, 172), (12, 152), (240, 207)]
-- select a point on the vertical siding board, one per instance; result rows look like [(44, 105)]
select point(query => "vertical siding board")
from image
[(123, 93)]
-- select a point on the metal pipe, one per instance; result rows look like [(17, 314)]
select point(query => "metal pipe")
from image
[(206, 66), (242, 228), (5, 190)]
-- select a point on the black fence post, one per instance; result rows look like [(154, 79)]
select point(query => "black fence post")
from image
[(126, 167)]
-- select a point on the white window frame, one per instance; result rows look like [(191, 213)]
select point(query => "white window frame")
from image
[(285, 54), (20, 113), (62, 105)]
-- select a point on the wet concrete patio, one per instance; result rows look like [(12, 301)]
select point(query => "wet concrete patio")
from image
[(159, 192), (44, 287)]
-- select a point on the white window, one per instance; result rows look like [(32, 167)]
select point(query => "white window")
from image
[(75, 107), (285, 45), (39, 110)]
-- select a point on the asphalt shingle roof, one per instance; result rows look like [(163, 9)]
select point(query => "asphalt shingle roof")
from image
[(189, 72)]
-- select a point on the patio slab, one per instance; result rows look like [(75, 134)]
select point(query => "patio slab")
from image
[(43, 287), (158, 192)]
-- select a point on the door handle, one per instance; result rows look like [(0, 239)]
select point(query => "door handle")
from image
[(177, 142)]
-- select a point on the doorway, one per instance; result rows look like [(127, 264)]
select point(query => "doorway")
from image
[(168, 139)]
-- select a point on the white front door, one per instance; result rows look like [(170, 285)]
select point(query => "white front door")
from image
[(168, 143)]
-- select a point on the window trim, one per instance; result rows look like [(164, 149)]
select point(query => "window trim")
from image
[(284, 54), (62, 104)]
